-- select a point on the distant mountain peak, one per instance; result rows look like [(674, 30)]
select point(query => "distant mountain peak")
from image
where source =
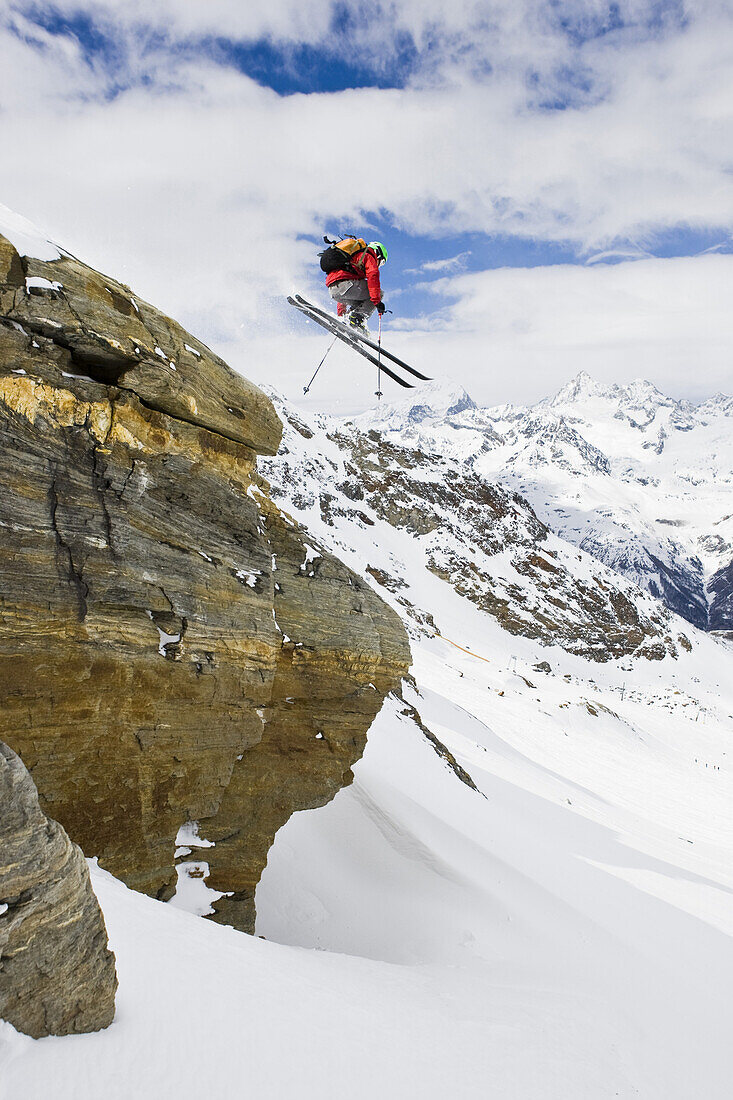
[(583, 386), (638, 394), (436, 400), (640, 390), (718, 403)]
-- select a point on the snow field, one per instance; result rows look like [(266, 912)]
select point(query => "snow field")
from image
[(550, 888)]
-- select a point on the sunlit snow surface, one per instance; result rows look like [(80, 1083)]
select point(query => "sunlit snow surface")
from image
[(564, 933)]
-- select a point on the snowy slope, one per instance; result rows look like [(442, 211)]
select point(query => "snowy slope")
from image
[(639, 480), (561, 929), (553, 939)]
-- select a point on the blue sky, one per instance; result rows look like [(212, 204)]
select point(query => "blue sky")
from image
[(476, 252), (483, 144), (287, 68)]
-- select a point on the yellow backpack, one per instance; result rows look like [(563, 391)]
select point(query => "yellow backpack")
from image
[(338, 255)]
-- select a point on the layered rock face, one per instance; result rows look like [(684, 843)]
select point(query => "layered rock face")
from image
[(341, 649), (57, 976), (172, 645)]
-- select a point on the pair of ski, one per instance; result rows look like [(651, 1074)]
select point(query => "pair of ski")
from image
[(357, 339)]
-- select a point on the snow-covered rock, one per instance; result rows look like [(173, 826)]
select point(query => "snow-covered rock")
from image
[(26, 237)]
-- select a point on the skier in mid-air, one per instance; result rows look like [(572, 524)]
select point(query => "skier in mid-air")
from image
[(352, 277)]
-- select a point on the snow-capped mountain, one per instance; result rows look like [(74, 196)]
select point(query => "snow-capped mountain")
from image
[(639, 480), (419, 515)]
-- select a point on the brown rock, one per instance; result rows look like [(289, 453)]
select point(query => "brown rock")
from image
[(57, 975), (114, 337), (11, 267)]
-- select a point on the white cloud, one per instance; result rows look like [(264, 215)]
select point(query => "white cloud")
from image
[(448, 266), (516, 335), (616, 254), (299, 20), (471, 154)]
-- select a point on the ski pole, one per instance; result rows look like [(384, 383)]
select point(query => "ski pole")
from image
[(306, 388), (379, 361)]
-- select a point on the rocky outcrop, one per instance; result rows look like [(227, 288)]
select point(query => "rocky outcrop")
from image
[(183, 643), (116, 338), (340, 651), (57, 975)]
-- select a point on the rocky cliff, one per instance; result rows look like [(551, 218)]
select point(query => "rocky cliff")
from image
[(57, 976), (173, 647)]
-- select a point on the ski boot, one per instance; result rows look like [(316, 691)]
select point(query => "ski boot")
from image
[(357, 320)]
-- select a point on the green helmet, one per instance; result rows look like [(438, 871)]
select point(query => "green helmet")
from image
[(379, 249)]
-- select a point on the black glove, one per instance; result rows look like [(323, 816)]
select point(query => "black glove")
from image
[(381, 308)]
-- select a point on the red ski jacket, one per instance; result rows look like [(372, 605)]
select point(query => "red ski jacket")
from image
[(366, 262)]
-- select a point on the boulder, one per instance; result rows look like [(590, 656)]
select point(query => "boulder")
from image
[(57, 975)]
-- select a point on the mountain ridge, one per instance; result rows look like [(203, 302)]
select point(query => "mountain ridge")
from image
[(432, 513), (640, 480)]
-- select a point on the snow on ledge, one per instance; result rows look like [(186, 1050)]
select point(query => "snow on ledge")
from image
[(42, 284), (25, 237), (188, 835), (192, 893)]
